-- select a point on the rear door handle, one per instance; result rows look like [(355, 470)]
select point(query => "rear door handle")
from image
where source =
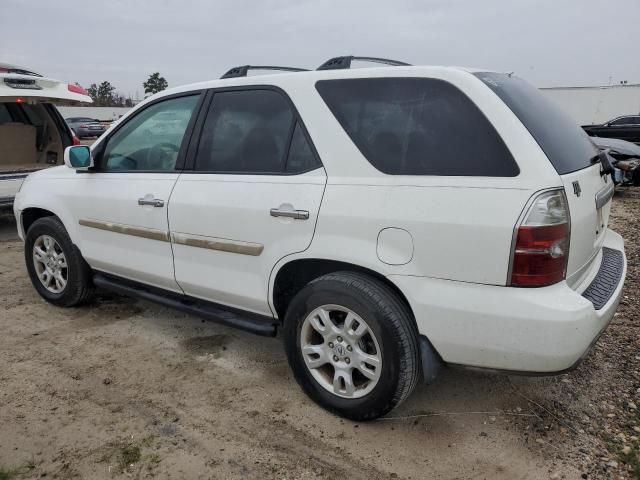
[(295, 214), (154, 202)]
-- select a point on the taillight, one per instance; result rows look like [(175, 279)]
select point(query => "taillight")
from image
[(83, 126), (541, 242), (75, 140), (77, 89)]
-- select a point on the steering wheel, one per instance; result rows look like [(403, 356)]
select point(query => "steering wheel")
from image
[(160, 153)]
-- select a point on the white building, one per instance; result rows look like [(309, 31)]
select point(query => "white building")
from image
[(589, 105), (106, 114)]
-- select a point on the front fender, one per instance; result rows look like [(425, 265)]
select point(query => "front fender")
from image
[(37, 192)]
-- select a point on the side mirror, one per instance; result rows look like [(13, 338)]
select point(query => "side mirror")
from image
[(78, 157)]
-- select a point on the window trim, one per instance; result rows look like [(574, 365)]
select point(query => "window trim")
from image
[(518, 170), (186, 139), (194, 145)]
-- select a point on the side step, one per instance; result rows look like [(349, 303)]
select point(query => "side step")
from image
[(247, 321)]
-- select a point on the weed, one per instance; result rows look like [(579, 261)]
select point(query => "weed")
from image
[(10, 473), (632, 459), (129, 454)]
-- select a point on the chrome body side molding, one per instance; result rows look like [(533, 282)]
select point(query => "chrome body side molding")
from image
[(214, 243), (149, 233)]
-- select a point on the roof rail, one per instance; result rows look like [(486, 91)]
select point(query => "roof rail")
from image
[(242, 70), (340, 63)]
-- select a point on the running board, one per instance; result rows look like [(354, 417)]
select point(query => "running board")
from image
[(247, 321)]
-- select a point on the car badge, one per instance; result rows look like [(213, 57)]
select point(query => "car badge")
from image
[(576, 188)]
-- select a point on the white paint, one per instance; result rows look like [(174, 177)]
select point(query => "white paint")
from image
[(50, 90), (237, 208), (461, 227), (395, 246)]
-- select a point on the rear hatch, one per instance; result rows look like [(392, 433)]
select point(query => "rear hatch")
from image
[(572, 154), (27, 120), (20, 85)]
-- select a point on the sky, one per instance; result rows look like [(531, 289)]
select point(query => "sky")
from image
[(547, 42)]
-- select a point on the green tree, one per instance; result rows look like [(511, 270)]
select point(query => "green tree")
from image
[(93, 92), (154, 84), (106, 95)]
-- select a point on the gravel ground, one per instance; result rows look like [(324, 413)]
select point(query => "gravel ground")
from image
[(125, 389)]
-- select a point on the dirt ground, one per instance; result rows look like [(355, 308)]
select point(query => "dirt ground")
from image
[(126, 389)]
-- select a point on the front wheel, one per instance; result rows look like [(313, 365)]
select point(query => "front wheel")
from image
[(352, 345), (56, 268)]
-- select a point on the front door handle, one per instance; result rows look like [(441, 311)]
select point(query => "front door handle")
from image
[(154, 202), (295, 214)]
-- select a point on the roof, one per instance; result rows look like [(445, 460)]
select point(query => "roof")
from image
[(315, 75)]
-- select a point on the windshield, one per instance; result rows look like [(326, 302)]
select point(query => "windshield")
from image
[(566, 145)]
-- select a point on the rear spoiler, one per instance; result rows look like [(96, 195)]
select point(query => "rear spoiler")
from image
[(15, 86)]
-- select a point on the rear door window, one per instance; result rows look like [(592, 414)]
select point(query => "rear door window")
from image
[(567, 146), (301, 157), (253, 132), (417, 126)]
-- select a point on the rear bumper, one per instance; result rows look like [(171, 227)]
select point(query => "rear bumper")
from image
[(9, 186), (534, 330)]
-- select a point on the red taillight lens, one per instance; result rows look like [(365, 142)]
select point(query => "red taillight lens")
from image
[(541, 247), (77, 89), (75, 140), (540, 256)]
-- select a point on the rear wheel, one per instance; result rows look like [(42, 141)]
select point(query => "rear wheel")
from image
[(56, 268), (352, 345)]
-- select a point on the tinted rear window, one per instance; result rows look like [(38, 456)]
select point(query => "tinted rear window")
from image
[(565, 143), (417, 126)]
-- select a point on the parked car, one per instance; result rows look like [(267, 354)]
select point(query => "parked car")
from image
[(625, 128), (86, 127), (385, 221), (33, 134), (625, 159)]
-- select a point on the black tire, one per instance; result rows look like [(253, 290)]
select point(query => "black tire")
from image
[(79, 287), (390, 320)]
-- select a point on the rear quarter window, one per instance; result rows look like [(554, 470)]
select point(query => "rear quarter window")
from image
[(417, 126), (566, 144)]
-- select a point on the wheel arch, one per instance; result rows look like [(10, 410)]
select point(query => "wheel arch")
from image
[(35, 202), (292, 276), (29, 215)]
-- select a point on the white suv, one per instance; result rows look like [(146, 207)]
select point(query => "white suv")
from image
[(386, 220)]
